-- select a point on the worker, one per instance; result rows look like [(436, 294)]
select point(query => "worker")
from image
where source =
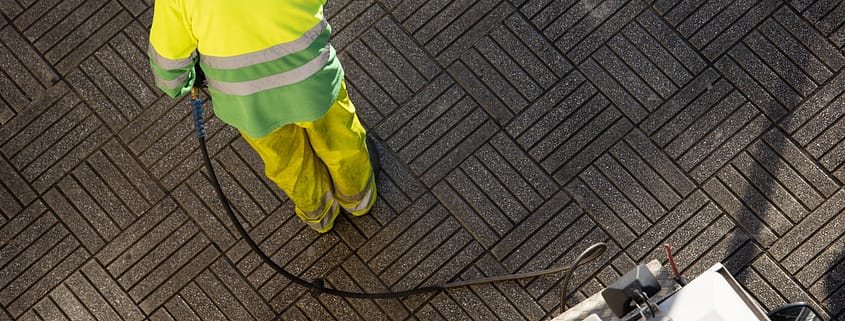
[(274, 76)]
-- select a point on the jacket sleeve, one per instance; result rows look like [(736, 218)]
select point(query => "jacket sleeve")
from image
[(172, 49)]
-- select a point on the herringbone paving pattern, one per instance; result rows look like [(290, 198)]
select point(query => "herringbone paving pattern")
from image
[(513, 134)]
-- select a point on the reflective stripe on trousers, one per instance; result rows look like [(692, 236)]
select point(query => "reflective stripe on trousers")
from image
[(321, 164)]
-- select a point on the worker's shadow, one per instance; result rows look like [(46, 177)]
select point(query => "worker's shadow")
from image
[(835, 289)]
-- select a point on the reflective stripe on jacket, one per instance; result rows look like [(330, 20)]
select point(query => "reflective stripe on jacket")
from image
[(268, 62)]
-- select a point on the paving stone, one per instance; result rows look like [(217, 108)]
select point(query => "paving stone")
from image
[(826, 16), (676, 228), (600, 213), (513, 134), (609, 85), (16, 191), (117, 298), (487, 230), (626, 184), (741, 213), (807, 227), (749, 86), (813, 261), (26, 75), (355, 276), (521, 189)]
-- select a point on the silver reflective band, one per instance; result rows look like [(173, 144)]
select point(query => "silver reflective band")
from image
[(363, 198), (265, 55), (172, 84), (170, 64), (319, 214), (244, 88)]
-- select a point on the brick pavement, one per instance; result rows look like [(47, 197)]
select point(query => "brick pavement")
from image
[(514, 133)]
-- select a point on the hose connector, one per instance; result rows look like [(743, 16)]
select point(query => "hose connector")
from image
[(196, 110)]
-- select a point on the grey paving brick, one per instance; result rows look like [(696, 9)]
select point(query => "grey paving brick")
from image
[(87, 208), (716, 244), (51, 277), (48, 309), (355, 276), (629, 81), (177, 280), (85, 38), (139, 261), (444, 263), (126, 77), (677, 228), (779, 155), (528, 237), (600, 213), (138, 230), (211, 219), (545, 115), (466, 26), (764, 75), (611, 88), (27, 71), (586, 44), (586, 145), (531, 44), (753, 90), (11, 8), (816, 113), (19, 232), (522, 190), (805, 229), (559, 235), (403, 243), (29, 246), (439, 161), (480, 92), (497, 74), (76, 223), (435, 249), (739, 28), (527, 168), (798, 53), (641, 65), (428, 98), (386, 76), (395, 228), (93, 301), (16, 190), (487, 230), (70, 304), (826, 16), (636, 193), (116, 297), (349, 22), (729, 148), (734, 207), (667, 191), (780, 280), (823, 285), (817, 253), (601, 180), (503, 199), (780, 64), (776, 194)]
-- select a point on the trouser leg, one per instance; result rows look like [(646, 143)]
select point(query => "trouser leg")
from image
[(290, 162), (339, 140)]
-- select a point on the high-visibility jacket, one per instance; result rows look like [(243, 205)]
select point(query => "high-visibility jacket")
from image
[(268, 62)]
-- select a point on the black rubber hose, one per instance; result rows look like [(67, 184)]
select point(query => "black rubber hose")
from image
[(318, 287)]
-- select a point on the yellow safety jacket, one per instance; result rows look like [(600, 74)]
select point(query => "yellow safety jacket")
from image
[(268, 62)]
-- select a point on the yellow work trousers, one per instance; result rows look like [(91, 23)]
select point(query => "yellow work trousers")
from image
[(321, 164)]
